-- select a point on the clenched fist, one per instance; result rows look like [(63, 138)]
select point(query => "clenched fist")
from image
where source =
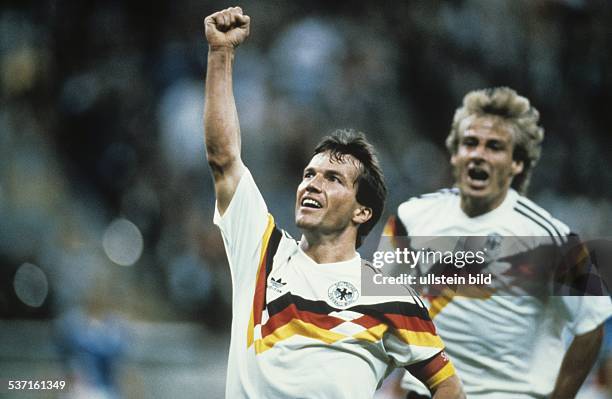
[(227, 28)]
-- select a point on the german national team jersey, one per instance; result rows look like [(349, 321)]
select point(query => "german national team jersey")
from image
[(503, 346), (302, 329)]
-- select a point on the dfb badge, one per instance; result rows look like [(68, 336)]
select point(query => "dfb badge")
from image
[(342, 294), (493, 245)]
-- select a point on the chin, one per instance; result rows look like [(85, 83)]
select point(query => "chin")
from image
[(468, 191), (304, 224), (479, 196)]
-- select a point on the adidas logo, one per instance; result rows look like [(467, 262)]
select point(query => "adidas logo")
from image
[(279, 281), (277, 284)]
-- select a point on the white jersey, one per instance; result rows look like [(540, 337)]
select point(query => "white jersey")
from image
[(301, 329), (504, 346)]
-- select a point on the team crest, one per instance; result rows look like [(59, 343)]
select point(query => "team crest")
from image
[(493, 245), (342, 293)]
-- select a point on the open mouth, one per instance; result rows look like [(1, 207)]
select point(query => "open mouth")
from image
[(478, 177), (478, 174), (310, 203)]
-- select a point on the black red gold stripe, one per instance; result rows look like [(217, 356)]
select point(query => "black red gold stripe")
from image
[(291, 312), (291, 315), (433, 371), (270, 241)]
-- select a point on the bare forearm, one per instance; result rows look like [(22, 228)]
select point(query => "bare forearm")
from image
[(577, 363), (222, 130), (449, 389)]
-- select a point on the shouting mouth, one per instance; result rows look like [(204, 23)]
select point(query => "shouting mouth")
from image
[(477, 177)]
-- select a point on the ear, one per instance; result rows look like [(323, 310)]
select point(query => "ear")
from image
[(362, 214), (453, 159), (517, 167)]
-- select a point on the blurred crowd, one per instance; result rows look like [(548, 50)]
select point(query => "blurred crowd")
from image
[(106, 200)]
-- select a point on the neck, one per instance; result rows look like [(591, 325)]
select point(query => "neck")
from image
[(473, 207), (325, 249)]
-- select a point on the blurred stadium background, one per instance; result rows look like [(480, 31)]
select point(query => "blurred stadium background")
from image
[(112, 274)]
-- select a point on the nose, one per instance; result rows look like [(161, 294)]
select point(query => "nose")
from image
[(314, 184), (477, 153)]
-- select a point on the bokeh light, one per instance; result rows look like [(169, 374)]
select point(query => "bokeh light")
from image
[(31, 285), (122, 242)]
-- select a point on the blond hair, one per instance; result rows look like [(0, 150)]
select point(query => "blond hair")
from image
[(513, 109)]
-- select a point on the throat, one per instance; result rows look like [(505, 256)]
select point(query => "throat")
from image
[(474, 206), (323, 250)]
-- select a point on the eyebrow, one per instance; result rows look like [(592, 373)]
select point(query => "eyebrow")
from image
[(308, 169), (335, 174), (476, 136), (327, 172)]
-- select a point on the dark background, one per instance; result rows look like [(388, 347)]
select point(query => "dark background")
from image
[(101, 132)]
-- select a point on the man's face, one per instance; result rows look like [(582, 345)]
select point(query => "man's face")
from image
[(483, 164), (326, 199)]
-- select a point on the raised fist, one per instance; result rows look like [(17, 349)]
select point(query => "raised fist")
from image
[(227, 28)]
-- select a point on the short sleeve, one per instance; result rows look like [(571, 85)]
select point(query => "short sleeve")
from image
[(585, 313), (242, 227), (584, 300), (411, 336)]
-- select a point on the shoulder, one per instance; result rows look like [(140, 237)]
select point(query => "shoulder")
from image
[(417, 203), (422, 206), (538, 220), (276, 239), (285, 239), (287, 245)]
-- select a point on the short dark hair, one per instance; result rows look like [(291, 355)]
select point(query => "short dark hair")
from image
[(371, 187)]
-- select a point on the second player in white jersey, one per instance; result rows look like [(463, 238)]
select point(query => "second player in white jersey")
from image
[(507, 342), (504, 346)]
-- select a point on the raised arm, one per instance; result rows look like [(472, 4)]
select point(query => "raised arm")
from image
[(225, 30)]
